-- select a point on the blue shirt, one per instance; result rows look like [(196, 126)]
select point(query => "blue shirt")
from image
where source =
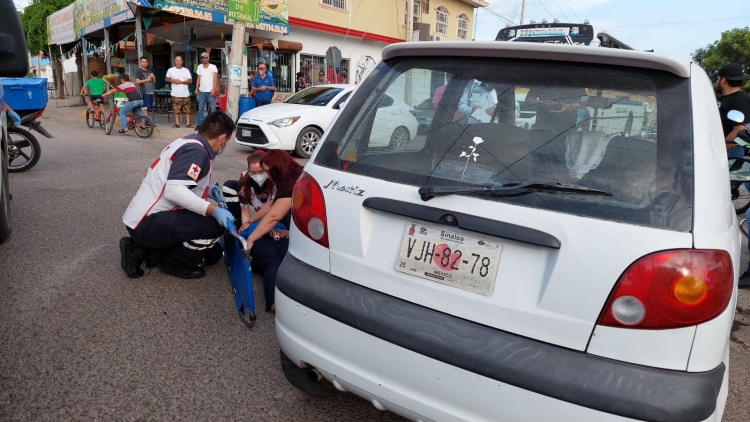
[(259, 82)]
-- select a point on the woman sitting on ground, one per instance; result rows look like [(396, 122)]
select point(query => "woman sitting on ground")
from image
[(269, 245)]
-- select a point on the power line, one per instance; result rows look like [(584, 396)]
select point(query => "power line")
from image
[(678, 23), (567, 19), (516, 8), (571, 9), (545, 8), (497, 15)]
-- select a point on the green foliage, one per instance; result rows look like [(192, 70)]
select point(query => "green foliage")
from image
[(34, 20), (733, 47)]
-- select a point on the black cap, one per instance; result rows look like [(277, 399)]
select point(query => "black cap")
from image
[(733, 72), (321, 73)]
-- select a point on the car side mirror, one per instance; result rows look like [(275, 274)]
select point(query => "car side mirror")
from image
[(595, 102), (341, 105), (386, 101), (13, 53), (736, 116)]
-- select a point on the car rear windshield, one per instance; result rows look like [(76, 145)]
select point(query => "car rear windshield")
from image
[(317, 96), (494, 122)]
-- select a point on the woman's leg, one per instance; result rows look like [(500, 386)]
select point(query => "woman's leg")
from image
[(268, 253)]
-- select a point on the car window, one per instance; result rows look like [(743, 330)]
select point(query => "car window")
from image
[(342, 99), (494, 122), (317, 96)]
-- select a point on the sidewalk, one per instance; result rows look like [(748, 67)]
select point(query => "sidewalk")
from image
[(76, 114)]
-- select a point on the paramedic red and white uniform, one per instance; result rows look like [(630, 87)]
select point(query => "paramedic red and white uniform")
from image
[(169, 209)]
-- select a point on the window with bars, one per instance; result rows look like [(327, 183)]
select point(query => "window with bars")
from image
[(337, 4), (418, 7), (441, 21), (313, 66), (278, 62), (463, 27)]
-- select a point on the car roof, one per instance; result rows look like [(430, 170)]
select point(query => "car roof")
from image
[(540, 51), (342, 86)]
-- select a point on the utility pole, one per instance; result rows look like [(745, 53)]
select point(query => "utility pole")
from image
[(139, 35), (107, 54), (235, 71), (523, 10)]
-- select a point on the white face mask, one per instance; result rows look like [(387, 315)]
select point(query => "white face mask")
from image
[(260, 178)]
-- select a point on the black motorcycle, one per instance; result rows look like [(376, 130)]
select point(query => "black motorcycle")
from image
[(24, 150)]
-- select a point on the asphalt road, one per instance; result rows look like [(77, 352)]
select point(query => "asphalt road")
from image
[(81, 341)]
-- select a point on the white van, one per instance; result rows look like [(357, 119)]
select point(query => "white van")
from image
[(568, 271)]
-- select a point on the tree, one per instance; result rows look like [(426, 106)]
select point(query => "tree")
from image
[(733, 47), (34, 21)]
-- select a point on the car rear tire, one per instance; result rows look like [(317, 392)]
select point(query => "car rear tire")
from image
[(306, 380), (307, 141), (399, 138), (5, 222)]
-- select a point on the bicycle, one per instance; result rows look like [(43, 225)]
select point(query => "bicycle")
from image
[(141, 125), (94, 115)]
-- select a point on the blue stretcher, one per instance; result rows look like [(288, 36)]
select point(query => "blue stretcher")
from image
[(237, 259)]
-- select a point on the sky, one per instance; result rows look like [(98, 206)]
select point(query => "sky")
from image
[(644, 24)]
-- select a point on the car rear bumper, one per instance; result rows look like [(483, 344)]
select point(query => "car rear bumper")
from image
[(418, 361)]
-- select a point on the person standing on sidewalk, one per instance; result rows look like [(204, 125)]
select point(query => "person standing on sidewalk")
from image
[(145, 79), (263, 86), (180, 78), (207, 87)]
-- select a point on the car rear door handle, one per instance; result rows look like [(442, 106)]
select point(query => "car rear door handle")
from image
[(464, 221)]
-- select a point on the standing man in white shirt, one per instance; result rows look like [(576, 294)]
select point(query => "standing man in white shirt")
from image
[(180, 78), (207, 87)]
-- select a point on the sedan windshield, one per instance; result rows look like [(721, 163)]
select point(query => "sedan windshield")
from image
[(316, 96)]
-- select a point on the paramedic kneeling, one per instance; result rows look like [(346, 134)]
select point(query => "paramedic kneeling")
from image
[(171, 224)]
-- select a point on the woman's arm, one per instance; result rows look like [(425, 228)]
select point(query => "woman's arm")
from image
[(279, 209)]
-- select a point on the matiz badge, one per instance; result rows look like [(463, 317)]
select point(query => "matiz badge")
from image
[(336, 185)]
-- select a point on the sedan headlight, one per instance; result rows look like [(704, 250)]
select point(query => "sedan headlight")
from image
[(286, 121)]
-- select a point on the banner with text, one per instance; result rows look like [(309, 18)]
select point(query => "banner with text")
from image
[(61, 26), (273, 14), (247, 11), (93, 15)]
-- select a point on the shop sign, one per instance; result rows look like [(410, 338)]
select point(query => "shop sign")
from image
[(61, 26), (93, 15), (247, 11), (274, 14)]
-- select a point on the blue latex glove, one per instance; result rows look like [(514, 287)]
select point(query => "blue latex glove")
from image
[(225, 218), (214, 192), (16, 118)]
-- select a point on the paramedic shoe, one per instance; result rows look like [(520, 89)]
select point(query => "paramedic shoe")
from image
[(131, 258), (169, 266), (744, 280)]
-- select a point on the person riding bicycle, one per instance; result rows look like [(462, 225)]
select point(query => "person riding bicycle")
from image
[(134, 100), (96, 86)]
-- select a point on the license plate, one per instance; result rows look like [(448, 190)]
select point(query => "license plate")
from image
[(450, 258), (247, 133)]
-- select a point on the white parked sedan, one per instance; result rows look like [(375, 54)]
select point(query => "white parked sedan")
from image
[(298, 123)]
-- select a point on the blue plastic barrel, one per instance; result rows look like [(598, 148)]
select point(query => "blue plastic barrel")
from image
[(246, 104)]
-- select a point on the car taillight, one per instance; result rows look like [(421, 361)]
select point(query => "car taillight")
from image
[(309, 209), (671, 289)]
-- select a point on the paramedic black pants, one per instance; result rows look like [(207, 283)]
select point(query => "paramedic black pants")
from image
[(182, 235), (230, 191)]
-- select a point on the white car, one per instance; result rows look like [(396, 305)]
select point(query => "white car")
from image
[(298, 123), (564, 272)]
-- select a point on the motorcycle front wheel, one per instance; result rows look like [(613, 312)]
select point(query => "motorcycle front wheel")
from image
[(24, 150)]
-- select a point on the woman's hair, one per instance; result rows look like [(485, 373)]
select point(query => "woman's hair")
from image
[(282, 169)]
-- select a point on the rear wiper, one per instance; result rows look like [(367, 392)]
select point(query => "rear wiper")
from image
[(509, 189)]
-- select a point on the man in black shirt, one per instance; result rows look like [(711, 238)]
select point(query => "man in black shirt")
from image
[(729, 85)]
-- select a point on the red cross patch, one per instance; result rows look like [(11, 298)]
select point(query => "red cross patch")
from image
[(194, 171)]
